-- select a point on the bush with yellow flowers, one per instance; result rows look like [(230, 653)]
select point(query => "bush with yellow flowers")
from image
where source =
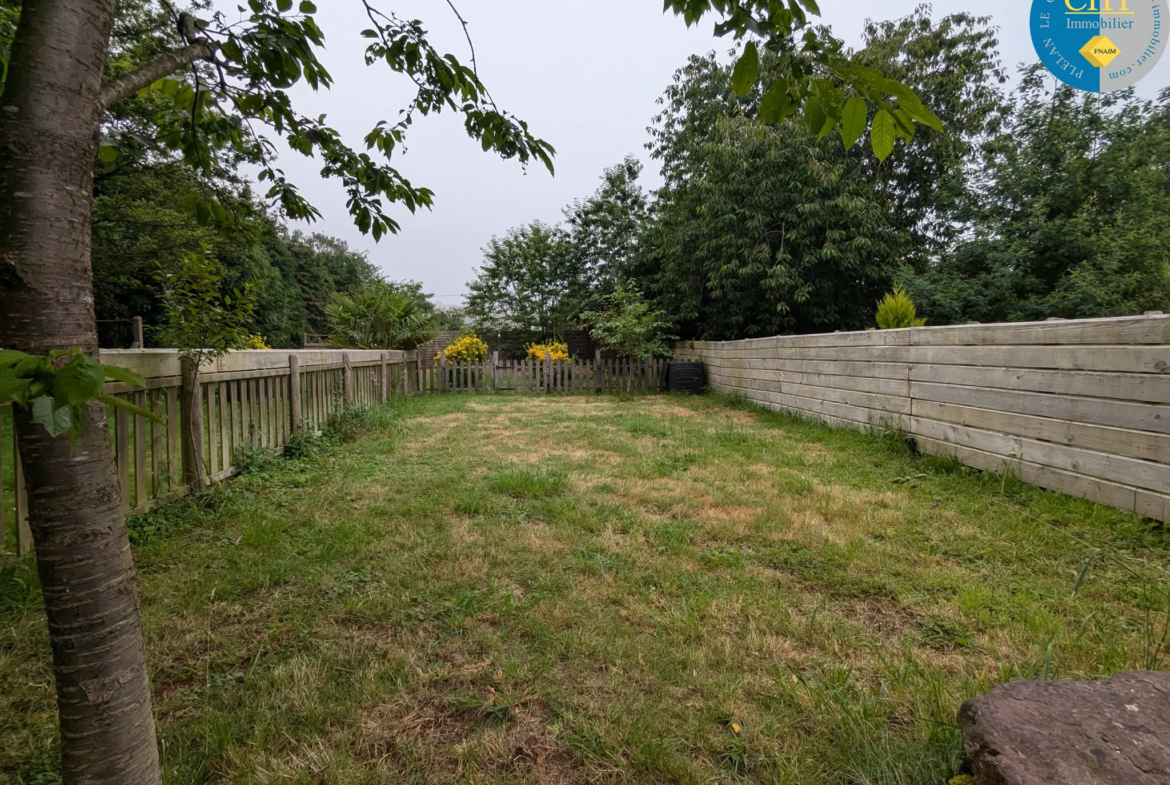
[(466, 348), (254, 341), (558, 350)]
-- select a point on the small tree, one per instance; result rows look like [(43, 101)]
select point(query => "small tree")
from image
[(202, 321), (897, 310), (628, 325)]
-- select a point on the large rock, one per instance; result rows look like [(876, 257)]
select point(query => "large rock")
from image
[(1114, 732)]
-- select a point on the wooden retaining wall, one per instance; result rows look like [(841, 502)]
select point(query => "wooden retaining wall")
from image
[(1077, 406), (245, 401)]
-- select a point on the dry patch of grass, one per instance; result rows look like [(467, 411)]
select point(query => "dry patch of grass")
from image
[(548, 589)]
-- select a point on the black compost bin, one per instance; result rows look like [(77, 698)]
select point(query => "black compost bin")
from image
[(685, 377)]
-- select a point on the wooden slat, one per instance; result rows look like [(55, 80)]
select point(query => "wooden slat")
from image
[(140, 479), (1145, 387), (1124, 359), (156, 445), (225, 426), (1119, 414), (122, 453), (1128, 330), (1113, 494), (1143, 445), (234, 405), (264, 401), (245, 413), (172, 397), (214, 410)]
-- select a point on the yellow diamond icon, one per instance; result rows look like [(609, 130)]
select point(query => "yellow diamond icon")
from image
[(1100, 51)]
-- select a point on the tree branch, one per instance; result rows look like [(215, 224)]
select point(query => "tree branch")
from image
[(127, 85)]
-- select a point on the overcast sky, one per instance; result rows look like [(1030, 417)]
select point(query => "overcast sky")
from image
[(585, 75)]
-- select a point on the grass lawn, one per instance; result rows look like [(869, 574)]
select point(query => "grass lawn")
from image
[(597, 589)]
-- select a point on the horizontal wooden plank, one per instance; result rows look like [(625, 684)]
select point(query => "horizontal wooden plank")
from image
[(857, 414), (1152, 505), (1148, 387), (888, 403), (882, 386), (1113, 330), (881, 370), (1125, 359), (1143, 445), (1114, 468), (165, 362), (812, 340), (1104, 492), (895, 354), (1100, 411)]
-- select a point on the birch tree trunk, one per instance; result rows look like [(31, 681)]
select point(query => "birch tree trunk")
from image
[(49, 121)]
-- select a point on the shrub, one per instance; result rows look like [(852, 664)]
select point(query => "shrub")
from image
[(556, 349), (467, 348), (897, 310), (255, 341)]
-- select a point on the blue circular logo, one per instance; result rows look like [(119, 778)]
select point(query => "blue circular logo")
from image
[(1098, 45)]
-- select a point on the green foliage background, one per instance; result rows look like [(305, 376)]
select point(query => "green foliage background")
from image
[(1034, 202)]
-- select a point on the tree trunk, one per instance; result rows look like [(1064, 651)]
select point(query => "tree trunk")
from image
[(49, 119)]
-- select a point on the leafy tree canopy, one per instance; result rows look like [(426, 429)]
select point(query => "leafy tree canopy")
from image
[(1070, 219), (529, 280)]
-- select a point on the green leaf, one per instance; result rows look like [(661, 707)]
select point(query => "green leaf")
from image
[(9, 357), (11, 388), (881, 134), (814, 115), (853, 117), (283, 5), (307, 7), (122, 403), (776, 103), (747, 70), (830, 124), (123, 375), (78, 381), (107, 155), (56, 421)]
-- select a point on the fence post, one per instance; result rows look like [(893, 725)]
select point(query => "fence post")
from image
[(384, 379), (347, 379), (547, 371), (407, 380), (139, 339), (443, 380), (191, 405), (294, 394), (598, 373), (495, 361)]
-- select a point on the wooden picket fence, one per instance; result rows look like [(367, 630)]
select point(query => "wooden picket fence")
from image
[(249, 401), (244, 402), (544, 376)]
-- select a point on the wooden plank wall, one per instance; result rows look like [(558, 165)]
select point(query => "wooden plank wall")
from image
[(1077, 406), (246, 408)]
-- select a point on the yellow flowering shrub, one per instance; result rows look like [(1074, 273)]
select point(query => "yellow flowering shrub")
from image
[(256, 342), (467, 348), (558, 350)]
